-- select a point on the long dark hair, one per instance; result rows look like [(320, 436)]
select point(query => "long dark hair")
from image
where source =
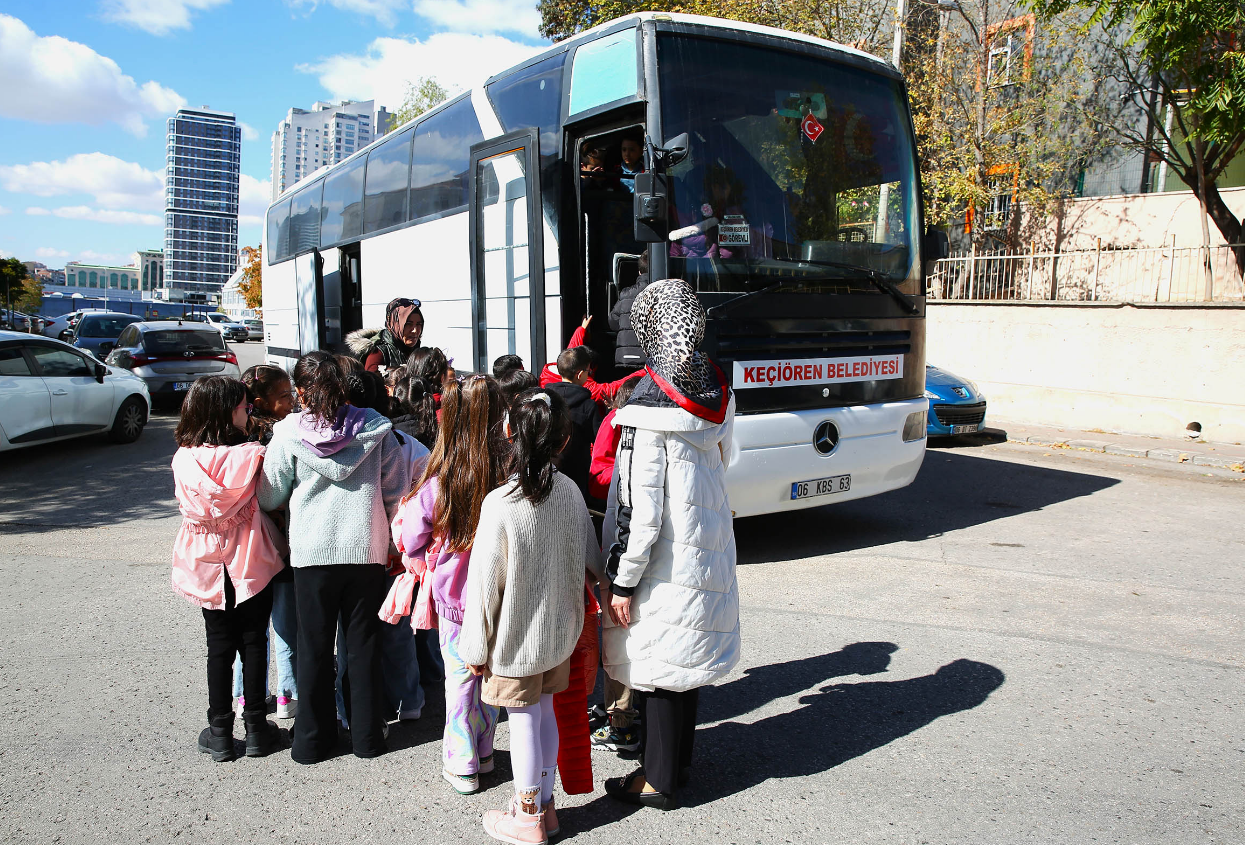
[(323, 384), (207, 413), (469, 459), (430, 364), (416, 397), (540, 426)]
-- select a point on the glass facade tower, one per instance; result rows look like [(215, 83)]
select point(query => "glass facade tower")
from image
[(201, 203)]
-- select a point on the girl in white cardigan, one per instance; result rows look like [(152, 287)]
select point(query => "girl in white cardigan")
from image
[(523, 608)]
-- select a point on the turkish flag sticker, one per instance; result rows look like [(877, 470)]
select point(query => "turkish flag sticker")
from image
[(812, 127)]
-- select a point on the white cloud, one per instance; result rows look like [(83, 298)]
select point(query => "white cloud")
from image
[(253, 199), (90, 256), (457, 60), (113, 182), (248, 132), (481, 16), (104, 215), (159, 17), (51, 252), (36, 211), (50, 79), (384, 11), (4, 211)]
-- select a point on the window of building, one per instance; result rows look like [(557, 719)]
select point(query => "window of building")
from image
[(442, 156), (1010, 58), (93, 279)]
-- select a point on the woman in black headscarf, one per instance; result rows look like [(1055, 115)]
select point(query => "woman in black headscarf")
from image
[(389, 347)]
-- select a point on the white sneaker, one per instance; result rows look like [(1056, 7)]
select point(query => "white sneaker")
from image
[(238, 704), (486, 764), (463, 784), (286, 707)]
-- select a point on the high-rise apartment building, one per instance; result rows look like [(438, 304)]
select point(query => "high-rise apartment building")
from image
[(201, 203), (308, 140)]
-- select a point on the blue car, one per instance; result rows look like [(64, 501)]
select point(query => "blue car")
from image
[(956, 406), (97, 331)]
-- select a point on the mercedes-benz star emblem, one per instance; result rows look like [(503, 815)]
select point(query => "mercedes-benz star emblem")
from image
[(826, 437)]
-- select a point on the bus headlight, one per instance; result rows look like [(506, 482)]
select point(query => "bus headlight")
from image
[(914, 426)]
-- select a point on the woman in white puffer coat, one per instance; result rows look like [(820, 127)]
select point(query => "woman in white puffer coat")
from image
[(673, 607)]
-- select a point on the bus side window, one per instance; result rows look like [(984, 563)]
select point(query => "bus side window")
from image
[(532, 98), (388, 177), (442, 160), (341, 213)]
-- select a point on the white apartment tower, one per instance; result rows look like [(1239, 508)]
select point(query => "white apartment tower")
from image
[(308, 140)]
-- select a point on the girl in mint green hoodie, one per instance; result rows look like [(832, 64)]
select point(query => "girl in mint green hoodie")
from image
[(341, 474)]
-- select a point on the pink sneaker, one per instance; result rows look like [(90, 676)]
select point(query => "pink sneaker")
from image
[(513, 825), (552, 828), (286, 707)]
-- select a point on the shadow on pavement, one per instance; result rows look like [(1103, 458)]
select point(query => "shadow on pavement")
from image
[(89, 481), (985, 437), (834, 725), (953, 490)]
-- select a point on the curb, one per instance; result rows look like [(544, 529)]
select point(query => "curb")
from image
[(1235, 463)]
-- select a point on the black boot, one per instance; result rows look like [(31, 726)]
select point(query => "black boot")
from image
[(217, 738), (262, 736)]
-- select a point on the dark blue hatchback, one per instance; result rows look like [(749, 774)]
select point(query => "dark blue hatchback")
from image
[(956, 406)]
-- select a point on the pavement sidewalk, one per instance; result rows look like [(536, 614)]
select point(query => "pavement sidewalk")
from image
[(1230, 456)]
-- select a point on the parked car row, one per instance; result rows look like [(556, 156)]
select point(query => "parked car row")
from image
[(168, 355), (51, 391)]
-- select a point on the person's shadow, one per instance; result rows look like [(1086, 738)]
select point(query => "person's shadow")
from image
[(834, 725)]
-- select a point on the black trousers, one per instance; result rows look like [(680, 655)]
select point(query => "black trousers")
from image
[(353, 593), (666, 736), (239, 629)]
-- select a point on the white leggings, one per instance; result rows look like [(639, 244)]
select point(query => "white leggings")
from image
[(534, 748)]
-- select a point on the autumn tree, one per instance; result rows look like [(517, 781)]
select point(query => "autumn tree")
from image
[(420, 97), (1182, 64), (21, 291), (251, 285)]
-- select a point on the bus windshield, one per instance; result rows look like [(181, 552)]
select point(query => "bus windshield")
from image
[(800, 168)]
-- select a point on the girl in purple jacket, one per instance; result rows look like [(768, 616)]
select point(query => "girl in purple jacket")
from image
[(439, 524)]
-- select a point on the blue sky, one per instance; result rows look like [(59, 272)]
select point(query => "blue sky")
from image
[(86, 85)]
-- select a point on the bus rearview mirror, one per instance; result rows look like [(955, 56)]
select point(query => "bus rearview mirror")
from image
[(650, 207)]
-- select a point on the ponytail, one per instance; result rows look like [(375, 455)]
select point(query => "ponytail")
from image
[(541, 425), (323, 384)]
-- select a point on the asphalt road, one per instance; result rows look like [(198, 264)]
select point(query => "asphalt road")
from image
[(1023, 646)]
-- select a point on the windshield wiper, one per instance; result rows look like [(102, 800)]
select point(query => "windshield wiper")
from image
[(877, 277), (710, 311)]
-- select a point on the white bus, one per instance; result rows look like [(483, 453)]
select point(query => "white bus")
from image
[(783, 185)]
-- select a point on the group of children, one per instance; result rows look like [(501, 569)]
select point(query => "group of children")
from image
[(431, 502)]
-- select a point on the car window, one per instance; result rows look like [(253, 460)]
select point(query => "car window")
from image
[(177, 341), (55, 362), (13, 363), (104, 326), (129, 337)]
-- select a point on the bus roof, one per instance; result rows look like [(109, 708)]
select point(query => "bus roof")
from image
[(587, 35)]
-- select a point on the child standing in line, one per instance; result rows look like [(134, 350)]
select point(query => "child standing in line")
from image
[(225, 556), (524, 606), (271, 394), (439, 526)]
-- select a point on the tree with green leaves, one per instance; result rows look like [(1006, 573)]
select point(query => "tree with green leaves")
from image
[(420, 97), (21, 291), (1183, 65)]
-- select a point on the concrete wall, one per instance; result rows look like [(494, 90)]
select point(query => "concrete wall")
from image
[(1134, 220), (1139, 369)]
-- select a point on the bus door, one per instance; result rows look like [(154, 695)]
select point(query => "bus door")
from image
[(339, 295), (507, 252), (350, 291), (307, 287)]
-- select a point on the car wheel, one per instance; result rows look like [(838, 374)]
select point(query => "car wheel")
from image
[(131, 417)]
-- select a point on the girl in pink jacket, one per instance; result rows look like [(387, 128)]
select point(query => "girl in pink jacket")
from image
[(226, 553)]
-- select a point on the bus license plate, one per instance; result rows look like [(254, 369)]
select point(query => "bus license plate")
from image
[(821, 486), (965, 429)]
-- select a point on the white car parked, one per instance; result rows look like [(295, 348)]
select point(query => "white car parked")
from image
[(51, 391)]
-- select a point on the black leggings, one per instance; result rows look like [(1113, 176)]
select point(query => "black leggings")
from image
[(666, 736), (238, 629)]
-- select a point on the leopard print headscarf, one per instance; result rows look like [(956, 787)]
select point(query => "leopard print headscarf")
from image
[(669, 322)]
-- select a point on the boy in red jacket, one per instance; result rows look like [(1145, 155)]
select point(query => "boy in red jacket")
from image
[(601, 393)]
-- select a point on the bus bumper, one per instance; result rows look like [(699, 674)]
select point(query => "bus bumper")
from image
[(771, 452)]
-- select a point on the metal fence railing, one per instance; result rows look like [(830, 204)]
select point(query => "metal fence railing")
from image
[(1149, 274)]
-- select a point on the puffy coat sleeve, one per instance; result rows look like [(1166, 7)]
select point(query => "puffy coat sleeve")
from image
[(395, 481), (276, 481), (640, 469), (486, 581)]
